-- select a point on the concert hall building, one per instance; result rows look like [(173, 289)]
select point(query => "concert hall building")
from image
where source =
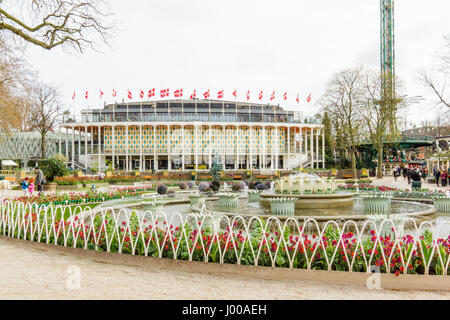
[(189, 134)]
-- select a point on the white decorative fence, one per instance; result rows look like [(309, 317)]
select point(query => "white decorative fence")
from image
[(293, 243)]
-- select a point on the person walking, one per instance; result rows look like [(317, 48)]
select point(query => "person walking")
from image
[(405, 172), (24, 186), (396, 173), (40, 180), (408, 175), (437, 176), (444, 178), (416, 179)]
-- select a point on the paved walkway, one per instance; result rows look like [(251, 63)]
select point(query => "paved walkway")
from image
[(42, 273), (403, 183)]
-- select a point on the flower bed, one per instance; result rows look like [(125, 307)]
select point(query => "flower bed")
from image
[(72, 198), (259, 242)]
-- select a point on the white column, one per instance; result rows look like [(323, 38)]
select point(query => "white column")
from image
[(312, 148), (300, 141), (141, 158), (210, 147), (251, 148), (323, 149), (224, 146), (79, 144), (264, 146), (277, 147), (317, 148), (67, 143), (289, 150), (126, 148), (169, 149), (113, 132), (155, 161), (196, 147), (183, 143), (73, 147), (236, 163), (85, 146), (99, 148)]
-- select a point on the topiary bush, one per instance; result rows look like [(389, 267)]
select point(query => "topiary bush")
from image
[(53, 168), (261, 187), (182, 185), (215, 185), (191, 184), (236, 187), (161, 189), (203, 187)]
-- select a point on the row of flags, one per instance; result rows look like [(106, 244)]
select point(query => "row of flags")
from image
[(165, 93)]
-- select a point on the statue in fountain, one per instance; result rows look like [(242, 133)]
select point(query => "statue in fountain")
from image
[(216, 168)]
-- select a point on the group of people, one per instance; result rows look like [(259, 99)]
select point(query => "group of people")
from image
[(414, 175), (442, 175), (28, 185)]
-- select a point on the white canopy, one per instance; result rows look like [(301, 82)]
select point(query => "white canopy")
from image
[(9, 163)]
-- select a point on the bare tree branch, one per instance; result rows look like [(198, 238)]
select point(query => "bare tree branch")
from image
[(74, 24)]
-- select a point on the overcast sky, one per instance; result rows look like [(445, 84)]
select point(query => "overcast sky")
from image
[(283, 45)]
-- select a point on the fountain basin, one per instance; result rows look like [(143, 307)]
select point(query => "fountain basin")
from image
[(313, 201)]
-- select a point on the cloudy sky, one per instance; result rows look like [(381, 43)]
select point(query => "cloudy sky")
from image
[(283, 45)]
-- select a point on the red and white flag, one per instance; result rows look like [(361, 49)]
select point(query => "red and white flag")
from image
[(141, 94), (73, 97), (309, 98), (206, 94), (285, 96), (101, 94), (178, 93), (130, 96), (193, 95), (164, 93), (261, 95), (248, 95), (87, 94), (220, 94), (235, 94), (114, 94), (298, 99), (151, 93), (272, 97)]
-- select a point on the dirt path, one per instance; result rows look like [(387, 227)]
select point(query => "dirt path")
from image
[(41, 273)]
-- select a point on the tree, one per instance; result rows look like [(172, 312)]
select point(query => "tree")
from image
[(328, 137), (379, 111), (74, 24), (436, 80), (340, 101), (45, 112), (14, 89)]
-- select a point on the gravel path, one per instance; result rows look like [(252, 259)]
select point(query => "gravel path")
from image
[(40, 273)]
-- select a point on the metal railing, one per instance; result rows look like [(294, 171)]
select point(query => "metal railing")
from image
[(293, 243)]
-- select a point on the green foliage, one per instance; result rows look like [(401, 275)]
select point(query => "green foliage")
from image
[(53, 168)]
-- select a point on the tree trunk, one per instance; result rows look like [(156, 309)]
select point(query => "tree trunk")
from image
[(43, 145), (355, 175), (380, 161)]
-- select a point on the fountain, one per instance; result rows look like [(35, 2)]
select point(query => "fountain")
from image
[(310, 191), (253, 195), (377, 202), (282, 206), (228, 199), (442, 202), (197, 199)]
